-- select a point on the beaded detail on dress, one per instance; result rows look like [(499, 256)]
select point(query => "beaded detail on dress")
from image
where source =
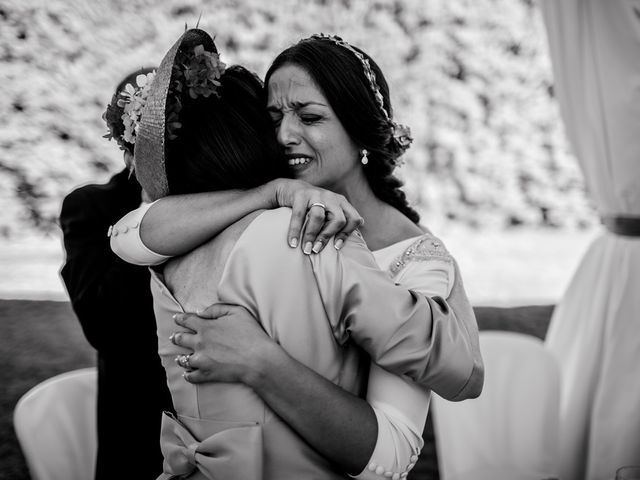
[(425, 248)]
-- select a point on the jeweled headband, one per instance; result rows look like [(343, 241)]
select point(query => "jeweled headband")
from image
[(401, 133)]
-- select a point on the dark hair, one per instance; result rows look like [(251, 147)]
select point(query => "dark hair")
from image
[(339, 74), (225, 141), (114, 119)]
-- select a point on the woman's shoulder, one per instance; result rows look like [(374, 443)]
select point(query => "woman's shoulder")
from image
[(268, 224), (422, 248), (253, 244), (257, 224), (421, 263), (426, 251), (262, 233)]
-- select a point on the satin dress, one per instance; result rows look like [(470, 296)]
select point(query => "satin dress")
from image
[(332, 312)]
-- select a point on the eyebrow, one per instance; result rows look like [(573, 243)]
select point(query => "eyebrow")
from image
[(296, 106)]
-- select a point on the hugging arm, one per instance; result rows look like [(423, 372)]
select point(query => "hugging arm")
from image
[(339, 425), (454, 321), (176, 224), (347, 430)]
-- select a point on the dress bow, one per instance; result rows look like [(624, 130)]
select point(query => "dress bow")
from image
[(234, 452)]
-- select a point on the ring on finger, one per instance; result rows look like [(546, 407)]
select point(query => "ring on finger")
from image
[(318, 204), (183, 360)]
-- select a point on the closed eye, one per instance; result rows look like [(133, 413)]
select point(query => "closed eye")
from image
[(310, 119), (276, 118)]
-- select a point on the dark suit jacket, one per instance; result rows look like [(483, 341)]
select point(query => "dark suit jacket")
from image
[(112, 300)]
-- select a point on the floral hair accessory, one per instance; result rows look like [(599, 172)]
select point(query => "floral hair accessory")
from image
[(131, 100), (113, 118), (401, 133), (123, 113)]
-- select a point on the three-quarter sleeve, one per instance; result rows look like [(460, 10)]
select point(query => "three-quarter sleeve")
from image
[(426, 267), (401, 409), (434, 278), (126, 242), (400, 406)]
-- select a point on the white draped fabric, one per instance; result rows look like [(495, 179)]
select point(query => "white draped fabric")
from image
[(595, 329)]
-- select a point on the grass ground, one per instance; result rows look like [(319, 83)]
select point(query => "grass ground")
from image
[(39, 339), (43, 338)]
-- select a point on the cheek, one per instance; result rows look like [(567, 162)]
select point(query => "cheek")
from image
[(332, 144), (344, 150)]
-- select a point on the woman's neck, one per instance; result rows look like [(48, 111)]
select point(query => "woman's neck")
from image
[(384, 225)]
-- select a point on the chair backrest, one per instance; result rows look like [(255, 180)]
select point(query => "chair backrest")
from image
[(55, 423), (512, 427)]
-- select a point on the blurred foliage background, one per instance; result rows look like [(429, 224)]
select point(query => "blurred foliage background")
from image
[(472, 78)]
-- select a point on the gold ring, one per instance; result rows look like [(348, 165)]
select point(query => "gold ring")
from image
[(318, 204)]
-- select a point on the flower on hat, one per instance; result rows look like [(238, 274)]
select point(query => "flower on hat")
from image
[(202, 73), (197, 72)]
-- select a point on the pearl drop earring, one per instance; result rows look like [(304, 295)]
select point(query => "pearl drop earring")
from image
[(364, 158)]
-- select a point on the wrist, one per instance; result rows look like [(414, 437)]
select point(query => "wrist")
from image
[(264, 362), (269, 193)]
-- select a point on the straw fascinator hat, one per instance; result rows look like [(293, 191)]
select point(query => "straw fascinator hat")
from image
[(152, 134)]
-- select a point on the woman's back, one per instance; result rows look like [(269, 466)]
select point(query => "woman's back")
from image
[(249, 264)]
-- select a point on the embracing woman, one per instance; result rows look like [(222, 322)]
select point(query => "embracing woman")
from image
[(320, 312)]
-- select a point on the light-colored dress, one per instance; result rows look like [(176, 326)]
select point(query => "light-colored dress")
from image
[(421, 263), (595, 329)]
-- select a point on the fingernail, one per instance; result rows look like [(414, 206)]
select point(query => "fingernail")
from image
[(307, 248), (317, 247), (338, 244), (293, 243)]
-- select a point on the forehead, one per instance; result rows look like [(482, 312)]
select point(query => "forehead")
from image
[(292, 84)]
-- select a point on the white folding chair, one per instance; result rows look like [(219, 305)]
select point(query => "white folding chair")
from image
[(55, 423), (510, 432)]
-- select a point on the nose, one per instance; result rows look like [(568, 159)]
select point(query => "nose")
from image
[(288, 133)]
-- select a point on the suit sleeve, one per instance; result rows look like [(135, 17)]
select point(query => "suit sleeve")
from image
[(99, 284)]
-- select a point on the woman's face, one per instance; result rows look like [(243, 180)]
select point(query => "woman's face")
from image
[(316, 145)]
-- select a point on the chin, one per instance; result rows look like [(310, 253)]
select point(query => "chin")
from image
[(308, 177)]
